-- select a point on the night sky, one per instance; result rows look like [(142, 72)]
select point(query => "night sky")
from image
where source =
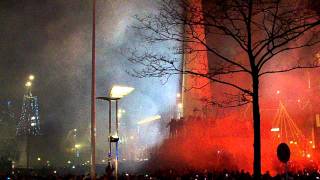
[(52, 40)]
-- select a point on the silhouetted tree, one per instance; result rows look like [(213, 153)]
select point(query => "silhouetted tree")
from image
[(258, 29)]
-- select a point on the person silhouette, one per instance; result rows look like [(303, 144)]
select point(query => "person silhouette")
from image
[(109, 170), (172, 127)]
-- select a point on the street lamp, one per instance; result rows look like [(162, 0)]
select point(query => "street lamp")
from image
[(120, 91), (116, 93)]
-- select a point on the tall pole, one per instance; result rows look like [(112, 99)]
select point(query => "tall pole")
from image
[(109, 154), (117, 133), (93, 94), (117, 120)]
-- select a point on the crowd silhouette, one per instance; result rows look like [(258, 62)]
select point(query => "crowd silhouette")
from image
[(171, 175)]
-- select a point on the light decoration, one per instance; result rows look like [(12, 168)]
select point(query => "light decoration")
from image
[(287, 131), (120, 112), (149, 119), (309, 156), (275, 129), (318, 56), (28, 84), (31, 77)]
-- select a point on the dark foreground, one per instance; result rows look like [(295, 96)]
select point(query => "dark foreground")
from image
[(170, 176)]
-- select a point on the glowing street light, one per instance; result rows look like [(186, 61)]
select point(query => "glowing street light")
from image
[(120, 91), (77, 146), (39, 159)]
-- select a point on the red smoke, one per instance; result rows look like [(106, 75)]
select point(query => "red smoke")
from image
[(209, 145), (216, 145), (227, 143)]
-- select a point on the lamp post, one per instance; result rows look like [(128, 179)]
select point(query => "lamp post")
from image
[(116, 93), (93, 95)]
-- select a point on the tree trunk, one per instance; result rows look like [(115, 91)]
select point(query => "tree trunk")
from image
[(256, 128)]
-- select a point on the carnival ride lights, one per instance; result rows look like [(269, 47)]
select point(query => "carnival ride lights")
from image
[(286, 127), (285, 130)]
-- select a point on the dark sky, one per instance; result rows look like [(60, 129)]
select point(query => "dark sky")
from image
[(35, 39), (52, 40)]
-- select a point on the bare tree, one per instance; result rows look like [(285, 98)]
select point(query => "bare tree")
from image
[(261, 30)]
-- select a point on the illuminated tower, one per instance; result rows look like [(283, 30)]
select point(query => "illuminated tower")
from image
[(196, 90), (29, 123)]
